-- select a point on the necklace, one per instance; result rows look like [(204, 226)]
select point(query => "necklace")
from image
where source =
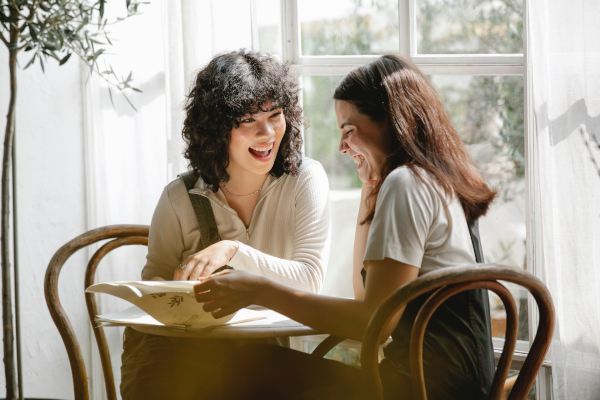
[(240, 195)]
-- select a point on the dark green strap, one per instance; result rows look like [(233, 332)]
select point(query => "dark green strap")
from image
[(209, 233)]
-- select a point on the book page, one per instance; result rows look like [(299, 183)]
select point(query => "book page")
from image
[(168, 302)]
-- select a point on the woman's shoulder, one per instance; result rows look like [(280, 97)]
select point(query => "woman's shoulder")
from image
[(310, 179), (407, 182), (309, 170), (404, 177), (175, 192)]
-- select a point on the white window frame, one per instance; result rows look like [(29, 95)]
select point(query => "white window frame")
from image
[(449, 64)]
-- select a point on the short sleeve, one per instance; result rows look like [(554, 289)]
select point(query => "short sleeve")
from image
[(403, 216)]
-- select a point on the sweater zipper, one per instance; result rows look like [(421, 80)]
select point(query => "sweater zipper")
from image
[(252, 218)]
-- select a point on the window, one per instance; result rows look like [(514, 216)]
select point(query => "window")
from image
[(472, 51)]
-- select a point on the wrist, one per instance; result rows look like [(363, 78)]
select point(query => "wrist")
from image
[(264, 291), (232, 248)]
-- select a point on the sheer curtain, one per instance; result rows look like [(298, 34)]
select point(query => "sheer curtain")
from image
[(131, 155), (564, 56)]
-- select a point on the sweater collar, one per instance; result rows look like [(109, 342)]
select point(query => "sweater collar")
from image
[(219, 197)]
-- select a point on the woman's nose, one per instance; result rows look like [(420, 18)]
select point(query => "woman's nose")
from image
[(266, 128), (343, 147)]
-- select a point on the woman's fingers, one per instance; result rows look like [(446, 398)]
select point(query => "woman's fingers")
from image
[(205, 271), (179, 272), (204, 297), (191, 264), (225, 311)]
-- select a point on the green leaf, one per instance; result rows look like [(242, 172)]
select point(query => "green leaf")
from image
[(31, 61), (101, 11), (136, 89), (33, 32), (130, 103), (111, 98), (65, 59), (127, 3), (42, 64), (9, 19)]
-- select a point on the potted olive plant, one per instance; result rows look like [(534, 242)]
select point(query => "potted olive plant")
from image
[(45, 29)]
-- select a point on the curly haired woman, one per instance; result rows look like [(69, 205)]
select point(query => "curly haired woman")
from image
[(270, 205)]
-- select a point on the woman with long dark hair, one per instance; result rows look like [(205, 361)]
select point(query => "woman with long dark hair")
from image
[(250, 202), (422, 195)]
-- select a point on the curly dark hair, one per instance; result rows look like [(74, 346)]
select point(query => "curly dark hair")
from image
[(229, 87)]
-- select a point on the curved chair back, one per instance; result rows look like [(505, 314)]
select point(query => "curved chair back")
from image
[(123, 235), (450, 281)]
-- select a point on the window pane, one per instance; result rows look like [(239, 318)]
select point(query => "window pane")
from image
[(268, 15), (469, 26), (348, 27), (322, 137), (488, 114), (321, 140)]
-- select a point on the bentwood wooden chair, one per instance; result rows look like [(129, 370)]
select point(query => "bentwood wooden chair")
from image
[(447, 282), (122, 235), (118, 236)]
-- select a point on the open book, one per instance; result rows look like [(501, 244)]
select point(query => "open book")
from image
[(164, 303)]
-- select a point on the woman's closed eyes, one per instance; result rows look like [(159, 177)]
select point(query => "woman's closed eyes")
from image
[(251, 119)]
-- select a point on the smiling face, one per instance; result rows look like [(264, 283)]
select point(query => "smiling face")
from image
[(365, 140), (255, 142)]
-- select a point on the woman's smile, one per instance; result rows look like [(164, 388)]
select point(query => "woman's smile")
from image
[(262, 152), (365, 141), (358, 160)]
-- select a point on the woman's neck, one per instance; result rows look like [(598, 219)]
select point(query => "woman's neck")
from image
[(242, 183)]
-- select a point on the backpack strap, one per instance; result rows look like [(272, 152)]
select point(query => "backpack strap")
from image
[(209, 234), (475, 240)]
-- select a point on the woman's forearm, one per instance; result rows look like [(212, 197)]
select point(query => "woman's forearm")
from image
[(307, 274), (344, 318), (360, 245)]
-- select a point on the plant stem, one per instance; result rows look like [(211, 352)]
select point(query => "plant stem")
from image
[(7, 317)]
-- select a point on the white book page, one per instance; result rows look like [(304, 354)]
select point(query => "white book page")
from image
[(136, 316), (169, 302)]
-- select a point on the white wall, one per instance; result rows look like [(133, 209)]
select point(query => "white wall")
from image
[(51, 209), (83, 163)]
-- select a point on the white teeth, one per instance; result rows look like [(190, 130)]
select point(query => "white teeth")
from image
[(358, 159), (263, 148)]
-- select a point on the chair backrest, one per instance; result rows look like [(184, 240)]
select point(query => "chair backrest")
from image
[(123, 235), (450, 281)]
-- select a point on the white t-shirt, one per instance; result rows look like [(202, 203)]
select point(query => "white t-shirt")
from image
[(414, 225)]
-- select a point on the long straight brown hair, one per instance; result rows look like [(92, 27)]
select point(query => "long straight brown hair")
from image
[(392, 88)]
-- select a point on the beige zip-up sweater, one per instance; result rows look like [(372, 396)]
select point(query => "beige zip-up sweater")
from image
[(288, 236)]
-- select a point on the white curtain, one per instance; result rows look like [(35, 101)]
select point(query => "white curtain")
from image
[(564, 54), (131, 155)]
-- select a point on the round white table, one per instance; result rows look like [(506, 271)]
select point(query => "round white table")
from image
[(275, 325)]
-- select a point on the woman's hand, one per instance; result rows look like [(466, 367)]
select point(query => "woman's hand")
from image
[(229, 291), (207, 261)]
